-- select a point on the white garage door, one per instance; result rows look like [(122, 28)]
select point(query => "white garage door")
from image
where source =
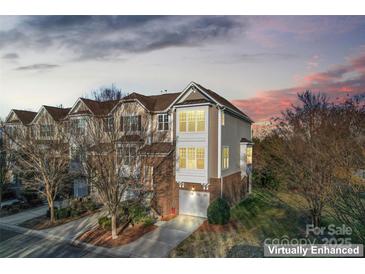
[(193, 203)]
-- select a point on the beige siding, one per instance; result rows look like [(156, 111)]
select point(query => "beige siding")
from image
[(232, 132)]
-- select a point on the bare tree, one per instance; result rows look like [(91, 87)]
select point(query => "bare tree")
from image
[(41, 158), (112, 164), (318, 143), (4, 163), (106, 94)]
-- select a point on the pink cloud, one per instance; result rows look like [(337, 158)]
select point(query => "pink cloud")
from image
[(333, 82)]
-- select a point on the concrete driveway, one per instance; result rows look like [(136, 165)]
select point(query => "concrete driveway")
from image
[(159, 242)]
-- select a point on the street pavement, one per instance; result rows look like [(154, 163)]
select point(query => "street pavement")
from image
[(18, 245)]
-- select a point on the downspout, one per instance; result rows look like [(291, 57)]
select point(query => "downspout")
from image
[(220, 148)]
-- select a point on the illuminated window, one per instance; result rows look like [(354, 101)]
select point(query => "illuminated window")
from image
[(225, 163), (249, 155), (182, 157), (223, 118), (182, 121), (200, 119), (191, 158), (191, 121), (200, 158)]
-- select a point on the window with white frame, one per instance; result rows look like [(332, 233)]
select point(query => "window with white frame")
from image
[(109, 124), (249, 155), (131, 123), (78, 125), (192, 121), (192, 158), (225, 156), (46, 131), (163, 121), (148, 176), (127, 155)]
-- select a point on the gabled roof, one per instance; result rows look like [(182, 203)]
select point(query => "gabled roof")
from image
[(99, 108), (222, 100), (95, 107), (153, 102), (57, 113), (24, 116), (216, 98)]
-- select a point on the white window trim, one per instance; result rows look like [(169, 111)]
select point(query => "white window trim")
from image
[(163, 115), (196, 158), (195, 121)]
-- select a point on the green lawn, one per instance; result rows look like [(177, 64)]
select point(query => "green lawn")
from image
[(262, 215)]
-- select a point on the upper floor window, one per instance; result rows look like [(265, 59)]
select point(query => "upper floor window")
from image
[(163, 122), (225, 156), (130, 123), (192, 121), (46, 131), (109, 124), (192, 158), (223, 117), (78, 125)]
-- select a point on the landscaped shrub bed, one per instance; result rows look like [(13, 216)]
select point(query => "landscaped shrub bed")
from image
[(76, 208), (219, 212)]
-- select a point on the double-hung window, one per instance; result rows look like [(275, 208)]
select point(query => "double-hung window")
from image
[(131, 123), (163, 121), (191, 158), (225, 156), (249, 155), (192, 121), (46, 131), (109, 124), (127, 155)]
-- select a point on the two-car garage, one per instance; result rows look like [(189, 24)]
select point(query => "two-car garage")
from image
[(194, 203)]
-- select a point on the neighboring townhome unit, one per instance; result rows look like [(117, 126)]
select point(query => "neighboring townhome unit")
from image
[(77, 121), (48, 121), (16, 122)]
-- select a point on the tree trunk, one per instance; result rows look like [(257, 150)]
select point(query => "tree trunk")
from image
[(51, 211), (316, 217), (114, 226)]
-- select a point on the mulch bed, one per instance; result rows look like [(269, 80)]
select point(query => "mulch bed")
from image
[(43, 222), (210, 228), (101, 237)]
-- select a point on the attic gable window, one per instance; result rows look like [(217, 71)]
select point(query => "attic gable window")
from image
[(163, 122)]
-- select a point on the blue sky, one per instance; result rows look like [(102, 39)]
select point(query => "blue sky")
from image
[(257, 62)]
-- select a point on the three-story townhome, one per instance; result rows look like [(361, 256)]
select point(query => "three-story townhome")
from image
[(78, 119), (18, 121)]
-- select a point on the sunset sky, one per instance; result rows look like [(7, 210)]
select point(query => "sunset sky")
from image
[(259, 63)]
